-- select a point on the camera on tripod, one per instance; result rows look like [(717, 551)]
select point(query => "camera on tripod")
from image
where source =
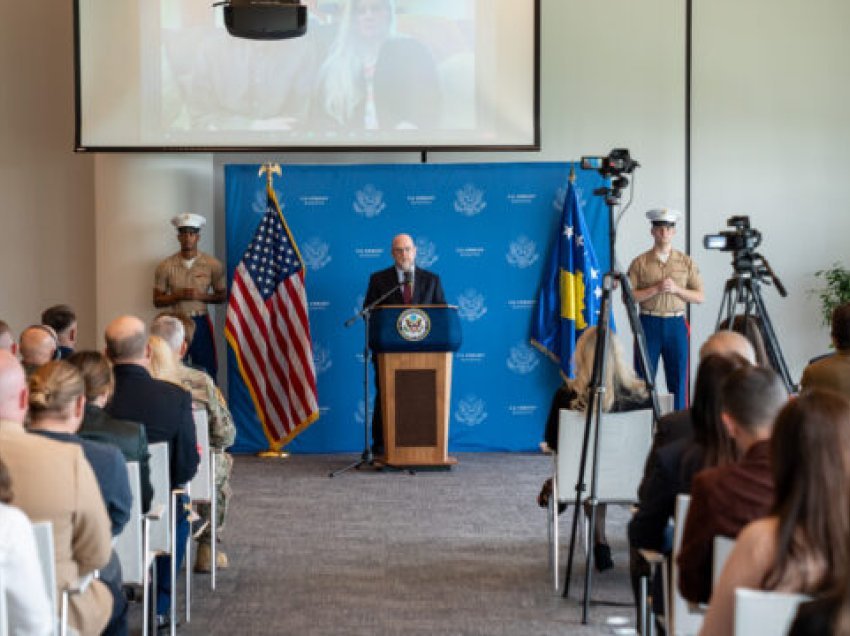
[(742, 239), (618, 161)]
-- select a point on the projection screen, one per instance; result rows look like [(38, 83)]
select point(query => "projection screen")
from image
[(382, 74)]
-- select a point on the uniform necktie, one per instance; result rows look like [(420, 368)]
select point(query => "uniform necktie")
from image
[(407, 293)]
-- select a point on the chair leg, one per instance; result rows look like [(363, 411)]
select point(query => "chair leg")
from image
[(188, 562), (63, 615), (213, 521), (146, 608), (173, 607)]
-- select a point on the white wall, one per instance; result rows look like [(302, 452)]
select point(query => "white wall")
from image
[(770, 125), (46, 191), (770, 138)]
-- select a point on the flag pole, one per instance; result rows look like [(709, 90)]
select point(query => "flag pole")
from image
[(271, 169)]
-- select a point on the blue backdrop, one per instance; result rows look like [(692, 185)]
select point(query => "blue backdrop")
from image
[(484, 228)]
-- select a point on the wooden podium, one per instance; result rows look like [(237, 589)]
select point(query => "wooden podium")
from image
[(414, 345)]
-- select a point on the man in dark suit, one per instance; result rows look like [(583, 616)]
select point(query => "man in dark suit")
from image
[(409, 285), (165, 410), (726, 498)]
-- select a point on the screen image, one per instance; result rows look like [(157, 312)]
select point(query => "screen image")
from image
[(166, 74)]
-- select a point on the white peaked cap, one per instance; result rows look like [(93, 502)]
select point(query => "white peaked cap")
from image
[(663, 215), (187, 219)]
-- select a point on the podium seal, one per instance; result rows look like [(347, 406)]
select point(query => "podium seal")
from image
[(413, 325)]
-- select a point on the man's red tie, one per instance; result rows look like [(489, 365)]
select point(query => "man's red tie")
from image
[(407, 293)]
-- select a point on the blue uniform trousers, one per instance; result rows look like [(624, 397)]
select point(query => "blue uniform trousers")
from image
[(668, 338), (202, 350)]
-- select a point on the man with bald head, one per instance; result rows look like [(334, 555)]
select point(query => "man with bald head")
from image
[(726, 342), (38, 347), (165, 410), (401, 284)]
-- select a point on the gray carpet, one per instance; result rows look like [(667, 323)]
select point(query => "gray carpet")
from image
[(368, 552)]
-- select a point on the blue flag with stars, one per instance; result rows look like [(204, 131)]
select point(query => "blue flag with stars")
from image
[(571, 291)]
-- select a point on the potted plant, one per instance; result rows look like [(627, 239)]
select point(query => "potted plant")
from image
[(836, 289)]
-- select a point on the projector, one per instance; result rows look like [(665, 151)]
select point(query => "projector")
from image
[(265, 19)]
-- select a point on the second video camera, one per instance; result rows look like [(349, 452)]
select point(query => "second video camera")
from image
[(742, 239)]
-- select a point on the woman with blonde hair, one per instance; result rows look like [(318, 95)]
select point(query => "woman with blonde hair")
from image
[(624, 392), (802, 546), (57, 404), (164, 364), (373, 78)]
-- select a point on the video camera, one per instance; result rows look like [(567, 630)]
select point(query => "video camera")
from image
[(742, 239), (618, 161)]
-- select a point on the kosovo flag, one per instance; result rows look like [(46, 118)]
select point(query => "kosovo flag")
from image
[(570, 295)]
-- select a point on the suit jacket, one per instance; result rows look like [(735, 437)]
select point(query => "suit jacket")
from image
[(128, 436), (52, 481), (110, 469), (723, 500), (671, 427), (673, 468), (166, 412), (831, 373), (427, 289)]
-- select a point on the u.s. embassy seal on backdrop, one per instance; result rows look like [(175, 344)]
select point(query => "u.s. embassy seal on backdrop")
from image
[(413, 325)]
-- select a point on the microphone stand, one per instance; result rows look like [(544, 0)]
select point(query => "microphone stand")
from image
[(367, 457)]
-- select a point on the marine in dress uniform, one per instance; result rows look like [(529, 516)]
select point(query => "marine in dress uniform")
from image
[(664, 280), (187, 282)]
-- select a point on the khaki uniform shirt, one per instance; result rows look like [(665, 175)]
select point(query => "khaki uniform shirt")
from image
[(205, 392), (646, 270), (206, 272)]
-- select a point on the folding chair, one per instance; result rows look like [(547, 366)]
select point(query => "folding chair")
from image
[(43, 532), (163, 531), (624, 441), (202, 486), (765, 613), (722, 549)]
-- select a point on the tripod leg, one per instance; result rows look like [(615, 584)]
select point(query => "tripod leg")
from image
[(641, 350), (774, 351)]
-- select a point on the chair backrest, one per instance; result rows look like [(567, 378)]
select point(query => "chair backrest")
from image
[(4, 613), (128, 544), (624, 442), (200, 488), (765, 613), (722, 548), (682, 620), (665, 403), (43, 533), (160, 538)]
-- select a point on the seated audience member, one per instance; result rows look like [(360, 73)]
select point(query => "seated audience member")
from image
[(99, 426), (54, 482), (673, 466), (726, 498), (802, 546), (7, 339), (27, 605), (63, 320), (38, 347), (57, 403), (165, 411), (624, 392), (677, 424), (163, 365), (222, 433), (833, 372)]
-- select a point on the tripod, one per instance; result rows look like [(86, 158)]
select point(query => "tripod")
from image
[(597, 390), (744, 288), (367, 458)]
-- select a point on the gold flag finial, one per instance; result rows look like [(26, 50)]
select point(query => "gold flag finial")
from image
[(572, 176), (269, 169)]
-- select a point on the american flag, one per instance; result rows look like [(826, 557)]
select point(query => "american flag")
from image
[(268, 328)]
